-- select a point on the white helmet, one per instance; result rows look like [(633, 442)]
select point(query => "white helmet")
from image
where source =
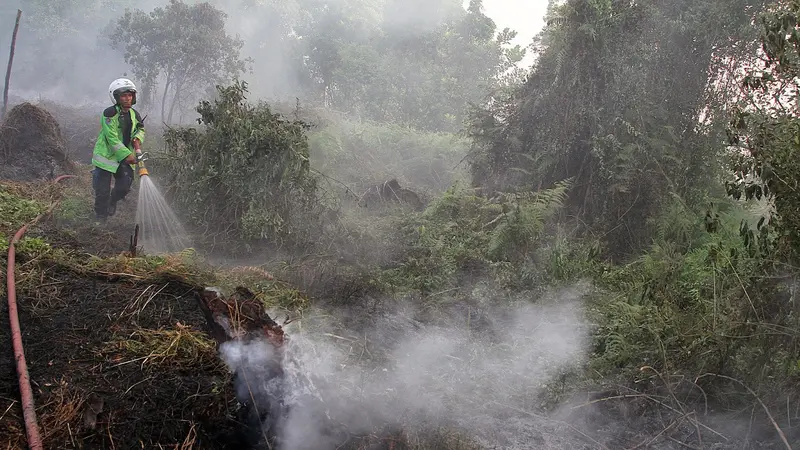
[(119, 86)]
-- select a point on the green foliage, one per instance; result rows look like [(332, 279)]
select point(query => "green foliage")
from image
[(764, 135), (32, 246), (244, 174), (461, 234), (416, 63), (74, 208), (16, 211), (185, 44), (613, 102), (693, 307), (523, 221)]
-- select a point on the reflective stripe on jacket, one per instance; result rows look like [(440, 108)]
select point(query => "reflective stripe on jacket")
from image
[(109, 150)]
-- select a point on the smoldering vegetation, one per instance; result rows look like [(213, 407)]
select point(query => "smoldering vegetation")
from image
[(459, 372)]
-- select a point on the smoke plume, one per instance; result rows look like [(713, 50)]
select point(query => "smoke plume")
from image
[(475, 370)]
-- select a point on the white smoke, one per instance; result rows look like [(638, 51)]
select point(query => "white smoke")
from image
[(475, 378)]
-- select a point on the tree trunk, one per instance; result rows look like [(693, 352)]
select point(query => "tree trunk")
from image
[(10, 61), (164, 96), (178, 88)]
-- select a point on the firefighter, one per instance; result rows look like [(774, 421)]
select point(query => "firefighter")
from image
[(117, 149)]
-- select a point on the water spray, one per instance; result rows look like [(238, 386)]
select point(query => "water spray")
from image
[(158, 228)]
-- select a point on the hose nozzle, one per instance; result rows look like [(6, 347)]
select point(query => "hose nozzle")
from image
[(141, 158)]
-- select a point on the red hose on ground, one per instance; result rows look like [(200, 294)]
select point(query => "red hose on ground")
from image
[(28, 408)]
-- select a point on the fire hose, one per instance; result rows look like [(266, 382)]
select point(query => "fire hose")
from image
[(26, 395)]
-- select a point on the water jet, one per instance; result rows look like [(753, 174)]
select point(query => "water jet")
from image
[(160, 230)]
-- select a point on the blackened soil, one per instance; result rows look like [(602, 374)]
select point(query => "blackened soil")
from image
[(70, 322)]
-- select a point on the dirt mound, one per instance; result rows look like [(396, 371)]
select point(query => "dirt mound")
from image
[(31, 145)]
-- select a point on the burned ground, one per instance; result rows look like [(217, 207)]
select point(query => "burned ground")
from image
[(116, 346), (136, 345)]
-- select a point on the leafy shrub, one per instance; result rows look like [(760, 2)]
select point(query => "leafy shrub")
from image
[(246, 174), (465, 235), (695, 303)]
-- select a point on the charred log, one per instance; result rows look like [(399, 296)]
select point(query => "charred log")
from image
[(252, 344)]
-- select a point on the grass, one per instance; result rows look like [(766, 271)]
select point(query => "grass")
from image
[(59, 413), (272, 293), (19, 204), (182, 266), (181, 347)]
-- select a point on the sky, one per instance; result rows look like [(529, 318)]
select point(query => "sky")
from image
[(526, 17)]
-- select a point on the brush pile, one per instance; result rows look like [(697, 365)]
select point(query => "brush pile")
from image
[(31, 145)]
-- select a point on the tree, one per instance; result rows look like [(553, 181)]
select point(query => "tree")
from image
[(614, 102), (186, 46), (417, 63), (764, 134), (48, 36)]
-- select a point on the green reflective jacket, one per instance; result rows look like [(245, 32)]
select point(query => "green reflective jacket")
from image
[(109, 150)]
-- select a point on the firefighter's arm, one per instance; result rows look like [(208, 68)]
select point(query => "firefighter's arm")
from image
[(110, 129)]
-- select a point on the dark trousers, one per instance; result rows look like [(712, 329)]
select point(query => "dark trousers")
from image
[(103, 194)]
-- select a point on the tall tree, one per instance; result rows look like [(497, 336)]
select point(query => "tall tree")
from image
[(186, 46), (418, 63)]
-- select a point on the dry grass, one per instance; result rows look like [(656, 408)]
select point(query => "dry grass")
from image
[(180, 347), (676, 414), (188, 443), (146, 266), (59, 415)]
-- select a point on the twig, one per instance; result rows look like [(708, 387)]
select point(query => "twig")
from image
[(669, 389), (130, 361), (110, 438), (651, 440), (255, 406), (339, 337), (758, 399), (71, 437), (653, 399), (7, 409), (136, 384), (120, 275), (614, 397), (346, 187)]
